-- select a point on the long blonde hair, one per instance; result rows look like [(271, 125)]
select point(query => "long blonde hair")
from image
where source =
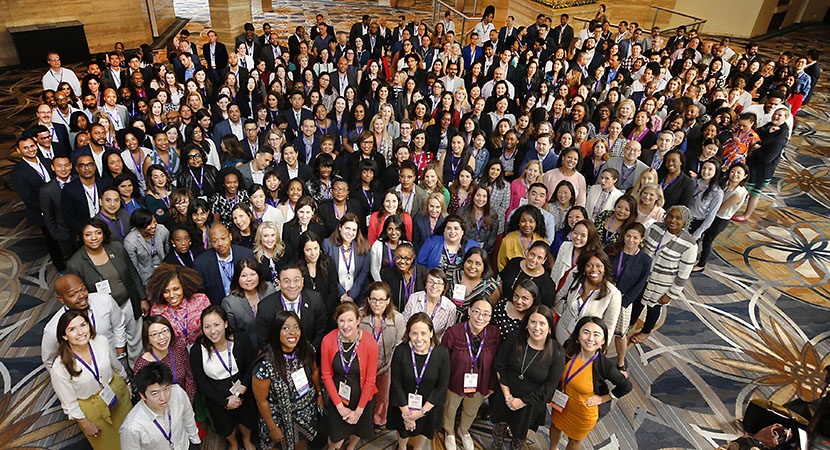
[(279, 248)]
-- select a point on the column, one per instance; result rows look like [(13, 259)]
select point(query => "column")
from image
[(228, 17)]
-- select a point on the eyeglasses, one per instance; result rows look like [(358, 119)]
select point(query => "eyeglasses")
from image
[(435, 282), (194, 156), (480, 313), (291, 281), (378, 300), (84, 165), (158, 334), (404, 258)]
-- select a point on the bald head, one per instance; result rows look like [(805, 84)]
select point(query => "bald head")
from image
[(71, 291), (220, 240)]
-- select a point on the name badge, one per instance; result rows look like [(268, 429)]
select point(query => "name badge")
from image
[(236, 388), (345, 392), (300, 381), (103, 287), (560, 399), (459, 292), (470, 383), (368, 220), (108, 396), (415, 402)]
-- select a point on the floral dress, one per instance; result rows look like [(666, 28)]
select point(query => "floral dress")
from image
[(287, 404)]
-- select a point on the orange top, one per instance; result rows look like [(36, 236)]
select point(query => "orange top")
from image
[(577, 419)]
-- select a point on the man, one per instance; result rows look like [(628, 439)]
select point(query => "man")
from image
[(307, 143), (343, 77), (413, 197), (188, 66), (249, 38), (216, 56), (80, 197), (231, 125), (106, 316), (58, 132), (508, 30), (564, 33), (542, 153), (499, 74), (653, 157), (50, 203), (373, 41), (504, 63), (322, 40), (119, 116), (216, 265), (96, 148), (452, 81), (628, 166), (636, 54), (272, 52), (163, 417), (43, 139), (294, 41), (360, 29), (537, 195), (803, 81), (448, 22), (472, 51), (320, 20), (57, 74), (296, 114), (813, 70), (242, 74), (114, 76), (254, 171), (427, 53), (306, 303), (90, 103), (141, 90), (648, 41), (533, 30), (679, 39), (251, 143), (114, 214)]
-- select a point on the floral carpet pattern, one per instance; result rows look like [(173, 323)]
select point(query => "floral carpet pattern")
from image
[(753, 325)]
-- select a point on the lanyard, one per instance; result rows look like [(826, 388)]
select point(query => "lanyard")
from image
[(201, 180), (347, 261), (624, 174), (665, 185), (407, 289), (336, 215), (189, 252), (389, 255), (346, 367), (580, 307), (569, 377), (172, 364), (94, 196), (182, 325), (407, 200), (229, 365), (452, 260), (419, 376), (454, 165), (233, 202), (223, 265), (109, 222), (434, 310), (473, 358), (370, 201), (382, 326), (168, 435), (137, 163), (95, 373), (522, 244)]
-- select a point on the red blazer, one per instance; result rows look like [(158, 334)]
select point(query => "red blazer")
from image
[(367, 358)]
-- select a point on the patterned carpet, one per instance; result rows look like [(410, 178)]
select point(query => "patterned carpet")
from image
[(754, 323)]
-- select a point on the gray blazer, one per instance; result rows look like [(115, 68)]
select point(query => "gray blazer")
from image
[(240, 315), (139, 250)]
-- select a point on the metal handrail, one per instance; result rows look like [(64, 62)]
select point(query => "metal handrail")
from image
[(436, 10), (660, 8), (698, 21)]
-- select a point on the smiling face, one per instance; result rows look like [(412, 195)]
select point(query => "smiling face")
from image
[(290, 335), (347, 323), (674, 221), (522, 299), (591, 338), (77, 332), (420, 336), (453, 233), (93, 237), (579, 235), (538, 327), (474, 266), (594, 270)]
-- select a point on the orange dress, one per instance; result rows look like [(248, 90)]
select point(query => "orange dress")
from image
[(577, 419)]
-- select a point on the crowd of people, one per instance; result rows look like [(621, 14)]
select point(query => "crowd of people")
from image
[(368, 229)]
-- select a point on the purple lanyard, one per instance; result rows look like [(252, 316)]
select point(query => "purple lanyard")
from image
[(434, 310), (638, 138), (451, 260), (569, 376), (201, 180), (182, 326), (189, 252), (41, 171), (206, 244), (407, 289), (120, 228), (620, 265), (579, 308), (665, 186), (454, 165), (168, 435), (389, 255), (137, 163), (229, 365), (660, 244), (624, 174), (95, 373), (336, 216), (347, 261), (172, 364), (407, 201), (166, 200), (152, 245), (257, 216), (522, 244), (94, 196), (419, 376), (382, 326), (473, 358), (347, 367), (234, 201), (370, 201), (285, 305), (222, 264)]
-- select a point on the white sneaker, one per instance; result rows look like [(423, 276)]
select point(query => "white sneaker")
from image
[(467, 442), (449, 442)]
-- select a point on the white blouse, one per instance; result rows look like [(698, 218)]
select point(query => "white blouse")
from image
[(214, 368)]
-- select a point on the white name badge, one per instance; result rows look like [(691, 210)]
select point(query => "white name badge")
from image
[(415, 402), (560, 399), (368, 220), (108, 396), (236, 388), (345, 392), (470, 383), (300, 381), (459, 292), (103, 287)]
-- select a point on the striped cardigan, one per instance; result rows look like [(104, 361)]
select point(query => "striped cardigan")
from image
[(672, 262)]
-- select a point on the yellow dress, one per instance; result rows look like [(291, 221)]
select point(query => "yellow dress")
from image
[(577, 419)]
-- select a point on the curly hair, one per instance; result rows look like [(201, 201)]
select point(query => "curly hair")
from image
[(163, 274)]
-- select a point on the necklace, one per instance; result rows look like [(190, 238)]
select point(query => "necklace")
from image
[(523, 367), (347, 350)]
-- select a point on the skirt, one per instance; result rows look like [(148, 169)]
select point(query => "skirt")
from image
[(109, 420)]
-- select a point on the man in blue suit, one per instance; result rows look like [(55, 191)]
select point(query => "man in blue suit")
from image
[(231, 125), (472, 52), (216, 265)]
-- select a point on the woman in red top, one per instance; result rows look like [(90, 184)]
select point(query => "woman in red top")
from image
[(391, 206), (172, 290)]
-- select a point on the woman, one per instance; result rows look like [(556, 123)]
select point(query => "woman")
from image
[(92, 393), (294, 191), (387, 326), (249, 286), (200, 220), (529, 367), (221, 365), (269, 249), (420, 155), (588, 290), (349, 250), (499, 190), (244, 226), (353, 127), (199, 177), (318, 271), (262, 211), (639, 130), (584, 238), (480, 219), (562, 200), (382, 251), (349, 364), (595, 160), (417, 391), (584, 383), (456, 159), (510, 311), (474, 281), (227, 196), (157, 198), (391, 207), (304, 220), (609, 223), (678, 188), (173, 292), (432, 182), (433, 302), (734, 194), (526, 226), (182, 251), (272, 184), (134, 155), (446, 248), (180, 199), (535, 267), (427, 221), (650, 205), (160, 345), (673, 250), (472, 360), (570, 163), (407, 277), (532, 173), (707, 198), (288, 403)]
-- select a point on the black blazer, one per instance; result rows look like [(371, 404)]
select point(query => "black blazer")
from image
[(325, 211), (186, 180), (220, 55), (421, 230), (632, 281), (64, 145), (326, 287), (208, 267), (291, 235), (267, 55), (50, 204), (246, 147), (27, 183), (312, 317), (304, 172), (293, 127), (679, 192), (74, 206), (433, 137), (216, 391), (299, 145), (80, 265), (396, 284)]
